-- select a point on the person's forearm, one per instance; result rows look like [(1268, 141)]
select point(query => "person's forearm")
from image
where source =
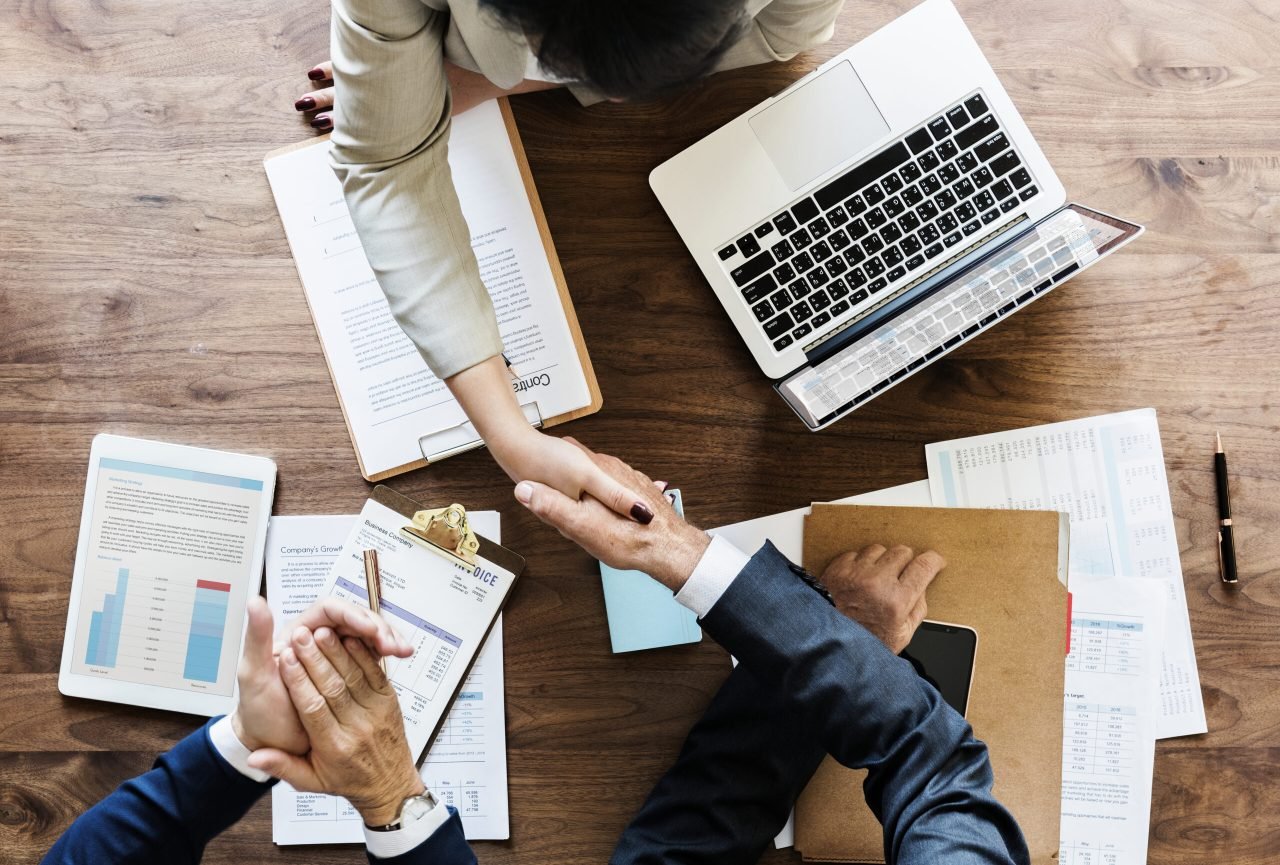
[(485, 393), (929, 780)]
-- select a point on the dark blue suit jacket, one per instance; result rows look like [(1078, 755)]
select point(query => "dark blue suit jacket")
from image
[(810, 682)]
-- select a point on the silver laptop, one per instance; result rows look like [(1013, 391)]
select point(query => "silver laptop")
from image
[(877, 214)]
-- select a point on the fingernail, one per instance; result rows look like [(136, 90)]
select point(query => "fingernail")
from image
[(321, 123), (661, 485), (289, 657), (641, 514), (306, 103), (324, 635), (524, 492), (316, 74), (302, 637)]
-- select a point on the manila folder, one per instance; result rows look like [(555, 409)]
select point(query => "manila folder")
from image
[(1003, 580)]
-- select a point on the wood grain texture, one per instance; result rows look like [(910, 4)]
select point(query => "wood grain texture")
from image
[(146, 289)]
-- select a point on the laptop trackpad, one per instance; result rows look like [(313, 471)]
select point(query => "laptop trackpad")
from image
[(818, 126)]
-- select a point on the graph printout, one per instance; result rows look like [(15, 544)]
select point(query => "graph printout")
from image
[(1108, 473), (167, 576)]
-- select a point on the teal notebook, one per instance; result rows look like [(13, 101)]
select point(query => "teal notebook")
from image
[(643, 614)]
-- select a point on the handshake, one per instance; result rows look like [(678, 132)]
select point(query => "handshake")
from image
[(318, 712)]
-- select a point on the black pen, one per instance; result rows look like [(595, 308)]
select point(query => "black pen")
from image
[(1226, 542)]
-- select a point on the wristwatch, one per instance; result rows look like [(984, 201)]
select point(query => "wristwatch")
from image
[(412, 810)]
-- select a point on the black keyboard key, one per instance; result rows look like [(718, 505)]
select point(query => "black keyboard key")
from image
[(874, 268), (947, 150), (1042, 286), (780, 299), (1024, 297), (1007, 308), (799, 289), (940, 128), (915, 364), (819, 228), (912, 196), (1004, 163), (894, 207), (780, 344), (819, 301), (779, 325), (910, 172), (930, 184), (802, 311), (804, 210), (784, 223), (762, 230), (1002, 190), (802, 262), (929, 234), (977, 107), (969, 331), (947, 223), (952, 239), (967, 162), (934, 353), (984, 200), (802, 331), (933, 251), (873, 244), (891, 183), (744, 273), (727, 253), (747, 245), (990, 216), (892, 256), (839, 240), (1020, 178), (988, 319), (949, 173), (837, 216), (784, 273), (975, 132), (890, 233), (1008, 204), (859, 296), (820, 251), (929, 161), (840, 308), (856, 279), (958, 117), (782, 250), (877, 285), (759, 289), (800, 239), (857, 229), (838, 289), (875, 217), (988, 149), (896, 274), (963, 189), (821, 319), (927, 211), (763, 311), (836, 266), (966, 211), (911, 245), (982, 178), (909, 222), (970, 228), (955, 339), (854, 255), (1027, 193), (855, 205), (919, 140), (851, 181), (915, 261), (873, 195), (818, 278)]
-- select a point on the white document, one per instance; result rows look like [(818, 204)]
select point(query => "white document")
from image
[(467, 764), (786, 531), (1110, 708), (389, 396), (1108, 473)]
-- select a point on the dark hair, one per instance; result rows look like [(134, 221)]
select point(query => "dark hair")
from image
[(626, 49)]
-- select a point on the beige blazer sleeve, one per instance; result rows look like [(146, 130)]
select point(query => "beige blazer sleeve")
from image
[(390, 152)]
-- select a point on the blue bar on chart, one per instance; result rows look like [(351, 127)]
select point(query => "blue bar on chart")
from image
[(208, 622), (105, 624)]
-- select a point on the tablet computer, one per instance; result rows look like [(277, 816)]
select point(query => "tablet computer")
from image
[(170, 551)]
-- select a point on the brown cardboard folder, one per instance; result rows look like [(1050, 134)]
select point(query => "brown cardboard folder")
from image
[(1002, 579)]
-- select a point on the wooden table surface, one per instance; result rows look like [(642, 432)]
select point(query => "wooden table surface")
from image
[(146, 289)]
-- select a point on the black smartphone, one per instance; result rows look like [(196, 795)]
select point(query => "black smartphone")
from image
[(943, 654)]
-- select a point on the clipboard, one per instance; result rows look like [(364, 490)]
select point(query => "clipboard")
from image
[(436, 445), (479, 547)]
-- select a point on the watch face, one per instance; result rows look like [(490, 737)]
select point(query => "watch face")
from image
[(417, 807)]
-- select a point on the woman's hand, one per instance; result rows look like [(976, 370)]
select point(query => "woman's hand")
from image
[(567, 466)]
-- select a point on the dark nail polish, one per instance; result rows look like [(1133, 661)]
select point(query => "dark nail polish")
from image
[(321, 123), (316, 74), (641, 514), (306, 103)]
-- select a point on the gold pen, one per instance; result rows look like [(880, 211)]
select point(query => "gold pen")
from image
[(373, 587)]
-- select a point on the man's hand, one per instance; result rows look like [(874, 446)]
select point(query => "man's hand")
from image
[(264, 717), (352, 717), (883, 590), (667, 549)]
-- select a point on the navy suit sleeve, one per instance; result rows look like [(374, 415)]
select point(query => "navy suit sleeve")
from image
[(446, 846), (167, 815), (822, 677)]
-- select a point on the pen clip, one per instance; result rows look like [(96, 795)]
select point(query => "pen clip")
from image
[(447, 532)]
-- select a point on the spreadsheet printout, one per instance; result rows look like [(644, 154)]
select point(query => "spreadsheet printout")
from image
[(1108, 473)]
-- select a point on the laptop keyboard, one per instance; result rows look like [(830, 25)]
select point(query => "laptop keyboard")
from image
[(978, 300), (896, 213)]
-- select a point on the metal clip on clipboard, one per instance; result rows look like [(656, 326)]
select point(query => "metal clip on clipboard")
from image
[(447, 532), (462, 436)]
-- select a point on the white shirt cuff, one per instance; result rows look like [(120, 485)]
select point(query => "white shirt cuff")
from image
[(385, 845), (720, 564), (228, 744)]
